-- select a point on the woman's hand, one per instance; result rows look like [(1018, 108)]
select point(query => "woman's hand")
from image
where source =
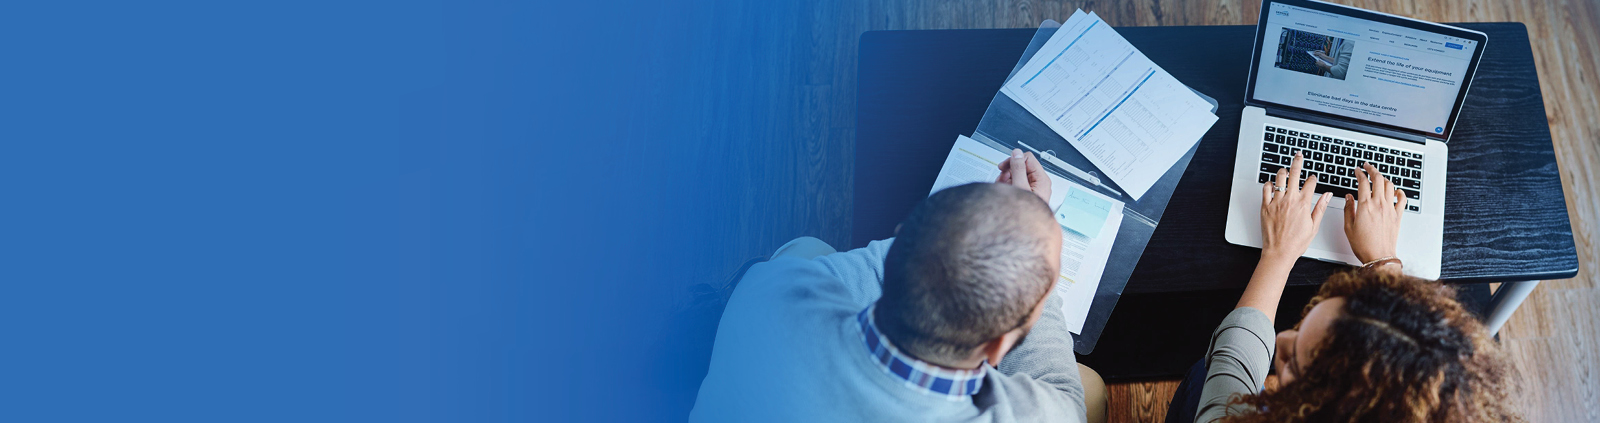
[(1372, 217), (1289, 219)]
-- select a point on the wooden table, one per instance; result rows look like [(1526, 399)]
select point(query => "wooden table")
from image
[(1505, 213)]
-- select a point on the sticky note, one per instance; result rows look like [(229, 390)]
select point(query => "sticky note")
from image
[(1083, 212)]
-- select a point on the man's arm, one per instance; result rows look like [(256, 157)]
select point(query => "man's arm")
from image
[(1341, 64), (861, 270), (1046, 354)]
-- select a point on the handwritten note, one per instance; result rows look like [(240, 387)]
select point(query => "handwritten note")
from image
[(1083, 212)]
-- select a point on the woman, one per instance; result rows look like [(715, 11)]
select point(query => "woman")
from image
[(1373, 345)]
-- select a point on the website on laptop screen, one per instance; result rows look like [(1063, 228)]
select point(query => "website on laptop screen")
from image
[(1362, 69)]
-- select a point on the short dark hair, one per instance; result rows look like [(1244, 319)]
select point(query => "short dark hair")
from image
[(968, 265)]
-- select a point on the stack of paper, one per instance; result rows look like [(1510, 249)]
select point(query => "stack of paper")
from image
[(1126, 116), (1129, 117)]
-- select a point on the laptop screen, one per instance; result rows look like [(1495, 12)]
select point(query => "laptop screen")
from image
[(1327, 60)]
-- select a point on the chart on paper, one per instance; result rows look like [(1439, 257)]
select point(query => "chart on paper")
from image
[(1129, 117)]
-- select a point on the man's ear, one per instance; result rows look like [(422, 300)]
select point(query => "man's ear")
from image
[(996, 349)]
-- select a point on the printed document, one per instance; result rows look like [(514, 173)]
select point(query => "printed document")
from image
[(1131, 119), (972, 161), (1089, 223)]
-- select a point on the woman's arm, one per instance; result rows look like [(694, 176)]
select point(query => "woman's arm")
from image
[(1240, 353), (1266, 285), (1290, 217)]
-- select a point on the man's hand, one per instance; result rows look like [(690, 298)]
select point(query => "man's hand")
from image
[(1324, 56), (1372, 217), (1024, 171), (1289, 219)]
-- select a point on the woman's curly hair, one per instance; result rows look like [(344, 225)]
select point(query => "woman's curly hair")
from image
[(1404, 350)]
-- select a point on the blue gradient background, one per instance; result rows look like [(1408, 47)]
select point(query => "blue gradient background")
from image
[(361, 211)]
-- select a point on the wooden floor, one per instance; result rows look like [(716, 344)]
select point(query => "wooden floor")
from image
[(1554, 339)]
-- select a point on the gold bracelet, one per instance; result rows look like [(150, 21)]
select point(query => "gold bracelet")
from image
[(1382, 261)]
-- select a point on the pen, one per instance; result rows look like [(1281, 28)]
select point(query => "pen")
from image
[(1049, 157), (1069, 168)]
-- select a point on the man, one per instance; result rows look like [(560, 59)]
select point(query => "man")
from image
[(1338, 65), (909, 329)]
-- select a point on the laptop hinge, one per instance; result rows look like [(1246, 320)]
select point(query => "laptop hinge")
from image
[(1341, 124)]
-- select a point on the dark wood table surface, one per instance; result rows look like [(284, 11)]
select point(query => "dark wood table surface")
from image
[(1505, 214), (1505, 211)]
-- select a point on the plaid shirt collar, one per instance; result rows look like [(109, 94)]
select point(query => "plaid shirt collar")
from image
[(952, 384)]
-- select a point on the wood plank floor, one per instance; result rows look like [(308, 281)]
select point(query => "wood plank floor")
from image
[(1554, 339)]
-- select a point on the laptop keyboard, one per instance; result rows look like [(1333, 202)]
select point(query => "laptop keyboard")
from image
[(1335, 161)]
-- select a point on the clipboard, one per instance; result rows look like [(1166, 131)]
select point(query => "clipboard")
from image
[(1318, 59), (1007, 125)]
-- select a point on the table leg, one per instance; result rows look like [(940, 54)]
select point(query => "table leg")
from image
[(1504, 302)]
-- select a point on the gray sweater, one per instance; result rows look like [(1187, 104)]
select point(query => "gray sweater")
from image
[(789, 349), (1341, 60), (1239, 357)]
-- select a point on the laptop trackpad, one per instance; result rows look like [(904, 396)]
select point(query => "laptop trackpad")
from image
[(1330, 243)]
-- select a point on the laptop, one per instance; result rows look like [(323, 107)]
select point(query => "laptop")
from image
[(1346, 87)]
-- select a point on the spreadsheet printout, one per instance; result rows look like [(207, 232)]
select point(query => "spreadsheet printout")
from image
[(1129, 117)]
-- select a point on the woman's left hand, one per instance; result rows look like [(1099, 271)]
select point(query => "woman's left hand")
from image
[(1289, 218)]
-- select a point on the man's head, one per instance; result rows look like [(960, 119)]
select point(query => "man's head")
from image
[(968, 274)]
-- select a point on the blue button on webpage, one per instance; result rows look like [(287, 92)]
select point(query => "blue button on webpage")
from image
[(1453, 45)]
